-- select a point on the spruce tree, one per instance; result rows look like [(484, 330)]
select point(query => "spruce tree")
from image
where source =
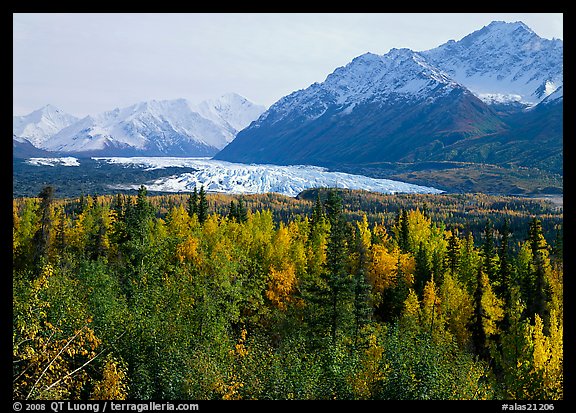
[(476, 326), (401, 228), (336, 276), (489, 261), (422, 270), (41, 240), (202, 206), (453, 253), (232, 211), (241, 211), (503, 289), (404, 232), (193, 203), (540, 269), (317, 212)]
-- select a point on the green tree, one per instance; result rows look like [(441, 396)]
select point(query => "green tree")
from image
[(537, 303), (489, 254), (202, 206), (241, 211), (193, 203), (43, 236), (504, 288), (453, 252), (422, 271), (336, 276)]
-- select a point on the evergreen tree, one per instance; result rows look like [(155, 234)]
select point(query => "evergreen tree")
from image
[(202, 206), (138, 215), (468, 263), (479, 340), (503, 289), (317, 212), (402, 230), (42, 237), (117, 207), (453, 253), (422, 270), (558, 247), (540, 271), (60, 236), (232, 211), (241, 211), (362, 288), (96, 246), (193, 203), (336, 276), (489, 261)]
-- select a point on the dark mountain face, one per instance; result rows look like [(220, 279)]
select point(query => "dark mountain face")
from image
[(372, 132), (24, 149), (406, 107)]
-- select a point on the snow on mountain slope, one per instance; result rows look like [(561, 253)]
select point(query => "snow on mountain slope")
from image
[(41, 124), (401, 74), (140, 126), (554, 97), (393, 107), (503, 62), (227, 177), (168, 127), (231, 111)]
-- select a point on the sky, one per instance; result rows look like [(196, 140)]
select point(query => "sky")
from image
[(88, 63)]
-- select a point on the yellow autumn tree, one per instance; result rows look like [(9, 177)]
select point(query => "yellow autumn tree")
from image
[(372, 370), (187, 251), (410, 318), (281, 284), (431, 317), (384, 266), (178, 222), (547, 357), (493, 308), (456, 305), (48, 362), (114, 383)]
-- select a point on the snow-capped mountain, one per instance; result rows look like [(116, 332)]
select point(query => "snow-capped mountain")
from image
[(41, 124), (167, 127), (376, 108), (157, 128), (231, 112), (503, 62), (408, 106), (400, 75)]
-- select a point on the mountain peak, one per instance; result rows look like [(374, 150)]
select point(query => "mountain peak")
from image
[(231, 111), (509, 26), (50, 108), (502, 62), (41, 124)]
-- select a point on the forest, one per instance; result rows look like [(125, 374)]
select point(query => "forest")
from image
[(334, 295)]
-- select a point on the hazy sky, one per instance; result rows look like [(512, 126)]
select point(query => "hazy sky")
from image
[(88, 63)]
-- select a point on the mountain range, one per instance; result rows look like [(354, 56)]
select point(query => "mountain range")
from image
[(495, 96), (154, 128)]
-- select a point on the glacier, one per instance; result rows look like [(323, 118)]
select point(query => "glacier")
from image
[(236, 178), (64, 161)]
